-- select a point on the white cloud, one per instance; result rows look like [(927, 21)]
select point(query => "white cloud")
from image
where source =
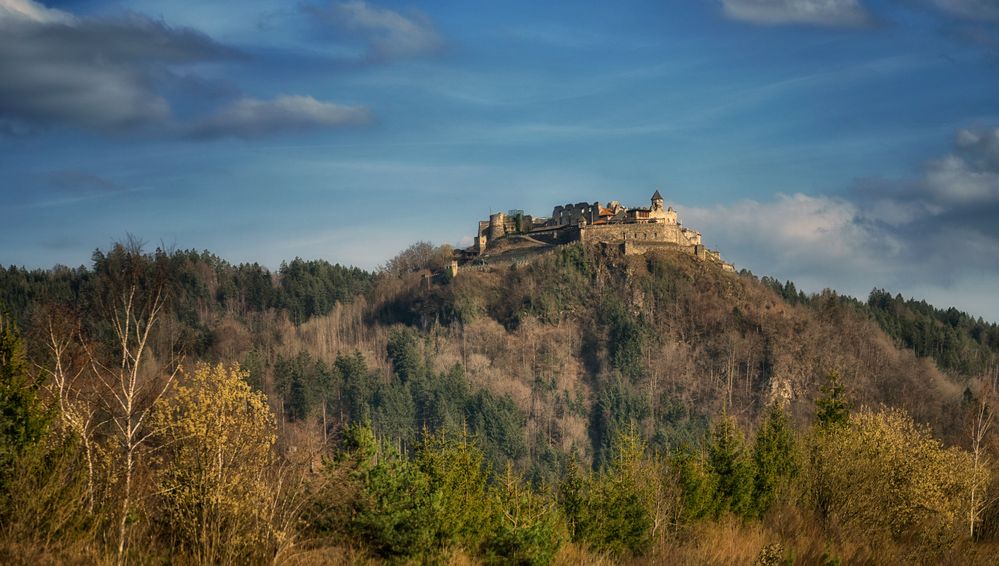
[(952, 180), (935, 234), (837, 13), (21, 11), (984, 10), (387, 34), (969, 176), (982, 148), (793, 232), (251, 118)]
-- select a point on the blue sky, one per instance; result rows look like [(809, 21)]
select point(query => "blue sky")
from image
[(839, 143)]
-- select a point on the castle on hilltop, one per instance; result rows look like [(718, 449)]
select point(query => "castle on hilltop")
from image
[(634, 230)]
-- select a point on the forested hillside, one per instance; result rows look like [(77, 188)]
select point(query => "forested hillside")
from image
[(955, 340), (577, 406)]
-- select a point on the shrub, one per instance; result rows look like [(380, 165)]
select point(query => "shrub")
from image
[(218, 448), (883, 475)]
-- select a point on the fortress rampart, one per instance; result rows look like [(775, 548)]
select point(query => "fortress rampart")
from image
[(640, 232), (636, 230)]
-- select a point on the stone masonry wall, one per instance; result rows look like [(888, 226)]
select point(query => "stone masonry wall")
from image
[(636, 233)]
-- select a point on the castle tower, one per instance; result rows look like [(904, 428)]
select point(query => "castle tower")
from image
[(481, 239), (657, 201), (497, 226)]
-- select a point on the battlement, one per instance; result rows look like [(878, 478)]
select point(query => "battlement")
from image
[(635, 230)]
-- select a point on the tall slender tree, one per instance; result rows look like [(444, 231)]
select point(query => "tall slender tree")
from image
[(132, 296), (23, 419)]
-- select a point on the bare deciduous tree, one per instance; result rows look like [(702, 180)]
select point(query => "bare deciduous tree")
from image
[(131, 295), (131, 388), (77, 410), (980, 425)]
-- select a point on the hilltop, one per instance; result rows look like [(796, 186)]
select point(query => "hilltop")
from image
[(631, 230), (686, 338)]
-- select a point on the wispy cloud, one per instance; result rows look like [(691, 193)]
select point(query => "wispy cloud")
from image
[(385, 34), (252, 118), (572, 37), (73, 186), (74, 181), (975, 10), (835, 13), (30, 11)]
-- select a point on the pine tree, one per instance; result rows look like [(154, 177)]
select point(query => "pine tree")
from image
[(528, 530), (832, 407), (23, 420), (727, 459), (774, 456)]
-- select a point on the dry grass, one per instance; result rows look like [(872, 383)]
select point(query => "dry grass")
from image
[(326, 556), (574, 554), (801, 540)]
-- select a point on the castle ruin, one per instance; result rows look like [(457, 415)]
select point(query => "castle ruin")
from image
[(634, 230)]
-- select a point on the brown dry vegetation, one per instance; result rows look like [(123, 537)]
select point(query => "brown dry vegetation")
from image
[(714, 340)]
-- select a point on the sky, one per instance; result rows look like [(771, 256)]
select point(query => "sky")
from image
[(844, 144)]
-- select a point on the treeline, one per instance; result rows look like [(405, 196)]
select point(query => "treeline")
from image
[(955, 340), (201, 284)]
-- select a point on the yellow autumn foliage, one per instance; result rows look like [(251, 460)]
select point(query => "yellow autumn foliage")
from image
[(883, 475), (215, 464)]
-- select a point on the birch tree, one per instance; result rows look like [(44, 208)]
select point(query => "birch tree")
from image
[(67, 385), (980, 425), (132, 297)]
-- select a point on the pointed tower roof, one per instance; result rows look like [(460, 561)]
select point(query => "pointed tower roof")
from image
[(657, 196)]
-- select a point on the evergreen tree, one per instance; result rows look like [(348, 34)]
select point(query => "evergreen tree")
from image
[(403, 350), (499, 424), (458, 474), (392, 515), (351, 371), (617, 509), (774, 457), (832, 407), (298, 381), (571, 497), (528, 530), (727, 459), (23, 419), (698, 485)]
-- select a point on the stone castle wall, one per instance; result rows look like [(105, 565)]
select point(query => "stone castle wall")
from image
[(559, 235), (571, 214), (659, 233), (639, 247)]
